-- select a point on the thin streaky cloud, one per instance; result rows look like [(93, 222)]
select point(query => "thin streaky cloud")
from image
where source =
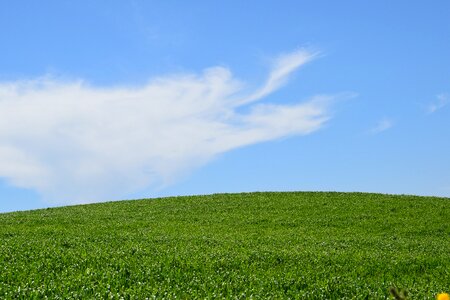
[(442, 100), (76, 143), (382, 125), (283, 66)]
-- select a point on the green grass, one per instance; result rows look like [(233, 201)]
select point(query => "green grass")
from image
[(255, 245)]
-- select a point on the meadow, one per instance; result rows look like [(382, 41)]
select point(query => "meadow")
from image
[(275, 245)]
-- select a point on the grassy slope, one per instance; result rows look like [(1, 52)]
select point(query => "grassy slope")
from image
[(278, 245)]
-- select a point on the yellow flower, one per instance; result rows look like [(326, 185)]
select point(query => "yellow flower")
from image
[(443, 296)]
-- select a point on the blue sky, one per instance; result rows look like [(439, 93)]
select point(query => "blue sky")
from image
[(108, 100)]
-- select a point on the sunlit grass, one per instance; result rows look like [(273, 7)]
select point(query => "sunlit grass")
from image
[(256, 245)]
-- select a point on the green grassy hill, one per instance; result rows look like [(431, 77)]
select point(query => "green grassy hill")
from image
[(255, 245)]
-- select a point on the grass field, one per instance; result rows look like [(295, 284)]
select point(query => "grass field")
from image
[(254, 245)]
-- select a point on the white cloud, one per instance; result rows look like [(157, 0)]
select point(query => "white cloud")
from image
[(283, 66), (441, 101), (382, 125), (76, 143)]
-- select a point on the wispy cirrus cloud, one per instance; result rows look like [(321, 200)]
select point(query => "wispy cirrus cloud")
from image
[(77, 143), (283, 66), (442, 100), (382, 125)]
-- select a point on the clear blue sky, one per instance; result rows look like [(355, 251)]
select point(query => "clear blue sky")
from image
[(108, 100)]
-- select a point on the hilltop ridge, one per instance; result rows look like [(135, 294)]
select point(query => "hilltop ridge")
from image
[(306, 245)]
